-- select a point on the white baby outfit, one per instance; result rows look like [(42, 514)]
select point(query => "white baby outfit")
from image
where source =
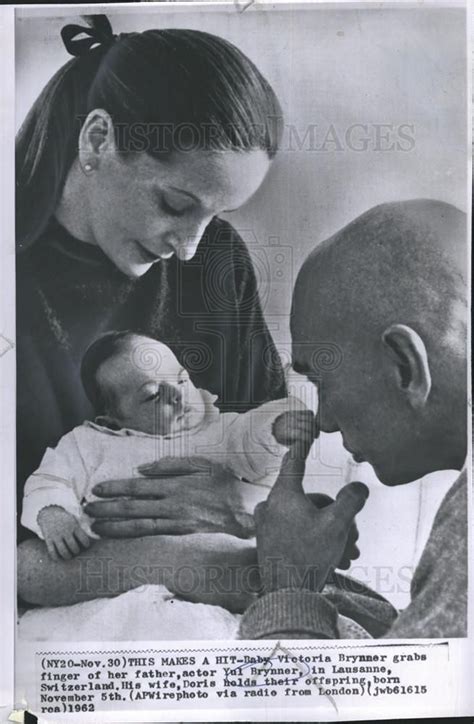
[(90, 454)]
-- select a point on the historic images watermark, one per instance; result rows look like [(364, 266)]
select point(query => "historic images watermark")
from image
[(187, 137), (103, 576)]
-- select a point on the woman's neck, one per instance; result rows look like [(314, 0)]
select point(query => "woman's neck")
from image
[(72, 211)]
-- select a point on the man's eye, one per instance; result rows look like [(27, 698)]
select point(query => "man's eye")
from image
[(154, 396)]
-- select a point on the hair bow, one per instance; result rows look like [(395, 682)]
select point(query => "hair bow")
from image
[(98, 32)]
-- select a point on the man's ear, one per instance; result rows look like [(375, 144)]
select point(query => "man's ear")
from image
[(407, 350)]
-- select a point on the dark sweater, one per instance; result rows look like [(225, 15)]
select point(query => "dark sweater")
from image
[(438, 607), (207, 310)]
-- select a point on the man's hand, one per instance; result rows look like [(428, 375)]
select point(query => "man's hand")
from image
[(177, 496), (298, 543), (351, 551), (293, 427), (62, 532)]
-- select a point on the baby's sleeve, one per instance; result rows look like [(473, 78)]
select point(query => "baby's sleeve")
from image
[(60, 480), (252, 451)]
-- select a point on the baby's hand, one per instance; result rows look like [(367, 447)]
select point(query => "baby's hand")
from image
[(62, 532), (292, 427)]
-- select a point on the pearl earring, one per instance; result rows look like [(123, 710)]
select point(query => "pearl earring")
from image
[(88, 167)]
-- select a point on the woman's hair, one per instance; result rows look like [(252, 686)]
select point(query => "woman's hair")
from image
[(165, 90)]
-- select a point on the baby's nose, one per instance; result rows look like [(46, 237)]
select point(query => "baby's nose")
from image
[(170, 394)]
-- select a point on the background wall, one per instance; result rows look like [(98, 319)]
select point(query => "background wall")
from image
[(339, 75)]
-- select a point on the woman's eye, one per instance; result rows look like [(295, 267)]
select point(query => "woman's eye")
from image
[(182, 382), (172, 209)]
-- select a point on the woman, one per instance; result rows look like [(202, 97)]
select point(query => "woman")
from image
[(124, 163)]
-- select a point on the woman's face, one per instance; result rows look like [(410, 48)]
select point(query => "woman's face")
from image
[(142, 209)]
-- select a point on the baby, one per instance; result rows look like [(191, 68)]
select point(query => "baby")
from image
[(148, 408)]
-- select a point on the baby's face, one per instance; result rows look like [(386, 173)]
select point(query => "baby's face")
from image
[(153, 392)]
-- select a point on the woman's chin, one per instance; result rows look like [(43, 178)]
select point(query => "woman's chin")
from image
[(135, 271)]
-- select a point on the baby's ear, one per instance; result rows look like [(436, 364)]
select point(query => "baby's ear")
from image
[(107, 421)]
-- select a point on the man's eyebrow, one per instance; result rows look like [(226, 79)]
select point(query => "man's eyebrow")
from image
[(148, 382)]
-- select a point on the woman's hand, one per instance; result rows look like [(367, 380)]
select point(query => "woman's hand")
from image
[(299, 542), (177, 496)]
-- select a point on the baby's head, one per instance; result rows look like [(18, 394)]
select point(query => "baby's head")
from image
[(135, 382)]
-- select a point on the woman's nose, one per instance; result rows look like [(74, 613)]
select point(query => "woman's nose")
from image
[(169, 394), (191, 238)]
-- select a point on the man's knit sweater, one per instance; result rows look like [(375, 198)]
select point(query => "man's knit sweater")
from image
[(438, 607)]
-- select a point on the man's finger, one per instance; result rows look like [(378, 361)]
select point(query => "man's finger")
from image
[(259, 513), (140, 527), (349, 501), (167, 467), (291, 475), (344, 564)]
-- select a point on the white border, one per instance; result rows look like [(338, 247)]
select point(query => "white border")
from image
[(462, 654), (7, 363)]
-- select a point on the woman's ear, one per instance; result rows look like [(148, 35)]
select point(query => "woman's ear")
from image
[(96, 137), (408, 353)]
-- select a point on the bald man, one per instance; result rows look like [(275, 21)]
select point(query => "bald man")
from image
[(390, 290)]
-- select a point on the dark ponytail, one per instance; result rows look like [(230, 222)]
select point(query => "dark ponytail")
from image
[(165, 90), (47, 144)]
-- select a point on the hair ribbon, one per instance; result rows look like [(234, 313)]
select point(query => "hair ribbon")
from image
[(97, 32)]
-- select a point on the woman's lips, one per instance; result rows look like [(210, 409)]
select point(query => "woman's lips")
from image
[(151, 257), (146, 255)]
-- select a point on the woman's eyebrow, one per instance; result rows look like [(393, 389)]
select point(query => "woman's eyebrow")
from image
[(197, 199)]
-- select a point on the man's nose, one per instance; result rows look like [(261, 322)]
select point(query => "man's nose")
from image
[(169, 394)]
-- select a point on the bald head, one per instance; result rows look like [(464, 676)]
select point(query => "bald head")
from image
[(391, 286), (397, 263)]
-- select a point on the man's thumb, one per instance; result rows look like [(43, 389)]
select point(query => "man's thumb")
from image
[(350, 500)]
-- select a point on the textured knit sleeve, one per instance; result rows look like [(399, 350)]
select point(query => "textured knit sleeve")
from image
[(438, 607), (60, 480)]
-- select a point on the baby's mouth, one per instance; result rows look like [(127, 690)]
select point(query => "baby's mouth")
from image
[(183, 414)]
